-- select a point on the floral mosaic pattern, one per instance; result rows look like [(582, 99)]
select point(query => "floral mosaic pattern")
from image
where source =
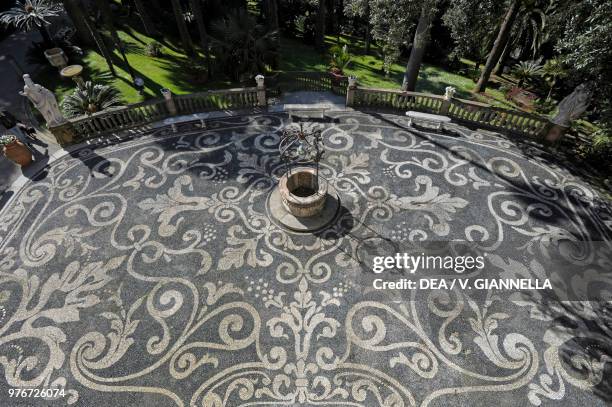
[(148, 271)]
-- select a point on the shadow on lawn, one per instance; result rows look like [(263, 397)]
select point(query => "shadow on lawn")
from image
[(152, 88)]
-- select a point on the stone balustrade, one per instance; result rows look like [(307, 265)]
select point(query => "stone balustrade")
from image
[(466, 111), (470, 112), (140, 114)]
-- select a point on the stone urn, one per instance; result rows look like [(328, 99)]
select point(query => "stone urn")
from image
[(17, 152), (56, 58)]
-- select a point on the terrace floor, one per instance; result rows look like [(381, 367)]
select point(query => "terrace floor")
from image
[(148, 271)]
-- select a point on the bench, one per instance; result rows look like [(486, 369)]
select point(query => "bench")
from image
[(427, 117)]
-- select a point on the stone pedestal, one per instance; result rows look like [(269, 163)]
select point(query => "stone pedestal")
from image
[(350, 91), (56, 57), (170, 104), (261, 91), (65, 133), (553, 132)]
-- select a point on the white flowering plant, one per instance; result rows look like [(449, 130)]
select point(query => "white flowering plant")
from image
[(7, 139)]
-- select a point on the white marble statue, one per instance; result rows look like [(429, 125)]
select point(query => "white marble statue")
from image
[(449, 92), (44, 100), (260, 80), (573, 105)]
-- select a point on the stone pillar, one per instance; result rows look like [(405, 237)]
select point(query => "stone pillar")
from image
[(170, 105), (350, 91), (261, 91), (65, 134), (448, 96)]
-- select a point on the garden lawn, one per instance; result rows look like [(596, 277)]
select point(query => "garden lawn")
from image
[(170, 70), (167, 71), (296, 56)]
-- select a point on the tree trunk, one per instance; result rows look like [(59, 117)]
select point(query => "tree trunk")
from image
[(182, 26), (368, 35), (421, 36), (104, 51), (498, 46), (274, 26), (148, 25), (107, 20), (196, 7), (107, 17), (273, 14), (320, 25), (550, 90), (44, 33), (75, 11), (333, 18), (501, 64)]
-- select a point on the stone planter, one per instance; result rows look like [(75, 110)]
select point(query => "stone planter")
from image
[(56, 57), (18, 153)]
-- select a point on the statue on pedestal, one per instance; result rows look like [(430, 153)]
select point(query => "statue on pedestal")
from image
[(449, 92), (573, 105), (45, 102)]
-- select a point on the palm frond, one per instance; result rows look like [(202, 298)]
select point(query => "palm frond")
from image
[(29, 15), (92, 98)]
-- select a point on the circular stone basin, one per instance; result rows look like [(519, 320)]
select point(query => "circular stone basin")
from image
[(71, 70), (302, 195)]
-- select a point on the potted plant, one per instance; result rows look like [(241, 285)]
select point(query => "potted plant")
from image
[(340, 58), (15, 150)]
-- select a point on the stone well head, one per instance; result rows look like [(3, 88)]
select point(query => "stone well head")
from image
[(303, 200), (303, 194), (302, 190)]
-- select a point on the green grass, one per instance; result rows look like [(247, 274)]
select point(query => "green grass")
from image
[(296, 56), (168, 71)]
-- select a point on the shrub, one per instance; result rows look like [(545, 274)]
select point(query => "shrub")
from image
[(154, 49), (602, 144), (91, 99), (525, 70), (339, 58), (7, 139), (544, 106)]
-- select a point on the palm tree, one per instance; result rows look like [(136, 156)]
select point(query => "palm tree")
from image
[(526, 70), (182, 26), (91, 99), (244, 47), (340, 58), (29, 15), (421, 37), (529, 32), (552, 71), (498, 46)]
